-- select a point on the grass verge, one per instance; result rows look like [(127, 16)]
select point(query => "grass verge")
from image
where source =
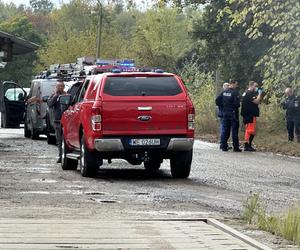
[(266, 142), (286, 225)]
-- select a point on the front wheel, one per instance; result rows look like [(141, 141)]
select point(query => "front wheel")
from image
[(89, 161), (67, 164), (181, 164)]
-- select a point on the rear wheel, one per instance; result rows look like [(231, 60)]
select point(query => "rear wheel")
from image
[(66, 163), (181, 164), (89, 161)]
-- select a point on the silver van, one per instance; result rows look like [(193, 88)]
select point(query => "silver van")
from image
[(35, 115)]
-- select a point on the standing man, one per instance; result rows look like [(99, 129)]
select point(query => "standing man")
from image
[(54, 104), (229, 102), (220, 111), (250, 111), (292, 106)]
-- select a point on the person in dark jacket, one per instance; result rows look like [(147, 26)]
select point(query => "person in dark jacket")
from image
[(220, 111), (292, 106), (229, 102), (250, 111), (53, 103)]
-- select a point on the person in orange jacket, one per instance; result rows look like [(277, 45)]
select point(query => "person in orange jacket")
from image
[(250, 111)]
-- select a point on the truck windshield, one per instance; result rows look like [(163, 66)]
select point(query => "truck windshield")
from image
[(142, 86)]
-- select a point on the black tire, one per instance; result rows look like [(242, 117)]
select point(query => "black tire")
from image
[(66, 163), (51, 140), (152, 165), (27, 132), (181, 164), (89, 161), (33, 133)]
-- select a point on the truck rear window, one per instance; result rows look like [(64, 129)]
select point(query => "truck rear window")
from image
[(142, 86)]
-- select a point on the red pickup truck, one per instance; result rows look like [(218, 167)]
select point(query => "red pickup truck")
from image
[(140, 117)]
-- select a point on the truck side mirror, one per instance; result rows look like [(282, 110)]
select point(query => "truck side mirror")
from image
[(65, 100)]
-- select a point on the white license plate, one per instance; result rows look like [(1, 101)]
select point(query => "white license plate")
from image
[(144, 142)]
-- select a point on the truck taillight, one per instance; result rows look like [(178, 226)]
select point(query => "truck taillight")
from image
[(191, 118), (96, 119)]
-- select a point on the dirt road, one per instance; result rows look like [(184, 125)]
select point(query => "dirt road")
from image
[(32, 185)]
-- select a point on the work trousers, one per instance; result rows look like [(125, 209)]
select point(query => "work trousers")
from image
[(293, 127), (230, 124), (58, 133)]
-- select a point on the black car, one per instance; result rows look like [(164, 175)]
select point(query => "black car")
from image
[(12, 104)]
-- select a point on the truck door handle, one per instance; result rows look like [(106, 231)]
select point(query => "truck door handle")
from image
[(144, 108), (78, 109)]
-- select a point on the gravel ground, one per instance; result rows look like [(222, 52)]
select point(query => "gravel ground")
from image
[(32, 185)]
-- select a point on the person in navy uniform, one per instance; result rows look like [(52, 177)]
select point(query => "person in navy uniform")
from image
[(229, 102), (220, 111), (292, 106)]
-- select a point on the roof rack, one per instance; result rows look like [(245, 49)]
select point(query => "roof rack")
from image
[(84, 66)]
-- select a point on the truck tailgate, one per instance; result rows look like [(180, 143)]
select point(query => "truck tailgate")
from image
[(148, 117)]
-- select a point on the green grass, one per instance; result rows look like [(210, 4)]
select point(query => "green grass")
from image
[(264, 141), (286, 225)]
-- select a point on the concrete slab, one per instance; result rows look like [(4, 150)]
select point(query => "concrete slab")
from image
[(121, 234)]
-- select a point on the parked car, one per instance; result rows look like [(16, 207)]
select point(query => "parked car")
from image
[(36, 106), (140, 117), (12, 104), (72, 88)]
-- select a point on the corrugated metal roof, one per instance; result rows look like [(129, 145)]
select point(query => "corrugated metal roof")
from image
[(20, 46)]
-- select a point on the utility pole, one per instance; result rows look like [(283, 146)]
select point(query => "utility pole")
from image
[(99, 34)]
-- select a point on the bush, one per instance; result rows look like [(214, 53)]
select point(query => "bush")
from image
[(202, 89), (286, 225), (272, 117)]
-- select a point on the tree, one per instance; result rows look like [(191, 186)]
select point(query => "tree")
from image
[(9, 10), (73, 33), (41, 6), (281, 62), (22, 66), (161, 38), (21, 26), (227, 48)]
